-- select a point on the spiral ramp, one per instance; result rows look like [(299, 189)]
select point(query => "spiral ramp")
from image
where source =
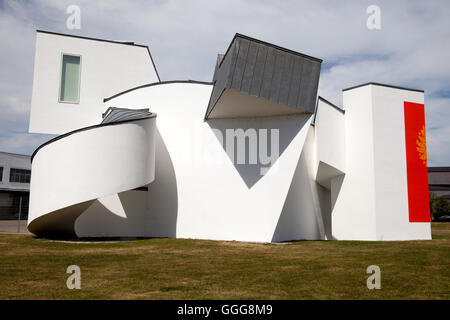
[(72, 171)]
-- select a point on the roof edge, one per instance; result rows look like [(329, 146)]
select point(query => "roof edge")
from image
[(331, 104), (15, 154), (90, 38), (64, 135), (104, 40), (239, 35), (382, 85), (154, 84), (438, 169)]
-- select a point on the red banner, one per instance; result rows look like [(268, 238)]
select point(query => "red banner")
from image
[(416, 162)]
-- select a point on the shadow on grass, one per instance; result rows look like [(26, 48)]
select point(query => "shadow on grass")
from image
[(93, 239)]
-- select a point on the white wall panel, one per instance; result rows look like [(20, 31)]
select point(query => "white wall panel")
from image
[(372, 200), (106, 69)]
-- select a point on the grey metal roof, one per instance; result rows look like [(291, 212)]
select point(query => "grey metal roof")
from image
[(267, 71), (114, 114)]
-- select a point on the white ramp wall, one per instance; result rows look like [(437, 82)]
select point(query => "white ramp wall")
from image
[(71, 172)]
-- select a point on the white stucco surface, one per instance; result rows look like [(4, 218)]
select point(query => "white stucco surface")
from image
[(372, 201), (217, 199), (90, 164), (106, 69)]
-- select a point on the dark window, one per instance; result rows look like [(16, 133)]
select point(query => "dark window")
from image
[(19, 175), (10, 205), (1, 173)]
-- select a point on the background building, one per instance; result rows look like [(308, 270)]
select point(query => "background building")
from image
[(439, 181), (439, 187), (15, 174)]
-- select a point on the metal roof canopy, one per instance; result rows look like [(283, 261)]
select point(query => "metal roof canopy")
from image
[(267, 71), (113, 114)]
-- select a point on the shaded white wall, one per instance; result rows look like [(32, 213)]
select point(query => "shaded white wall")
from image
[(305, 214), (117, 215), (353, 216), (330, 135), (106, 69), (330, 144)]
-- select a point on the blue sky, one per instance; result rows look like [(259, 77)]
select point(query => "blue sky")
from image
[(412, 48)]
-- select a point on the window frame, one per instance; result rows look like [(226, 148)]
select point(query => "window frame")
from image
[(10, 173), (60, 78)]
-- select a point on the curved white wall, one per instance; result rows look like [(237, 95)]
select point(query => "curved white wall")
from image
[(195, 197), (86, 165)]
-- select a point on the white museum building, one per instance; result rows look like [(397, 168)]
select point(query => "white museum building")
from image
[(254, 155)]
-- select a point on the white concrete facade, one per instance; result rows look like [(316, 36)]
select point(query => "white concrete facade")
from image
[(106, 68), (373, 194), (282, 175)]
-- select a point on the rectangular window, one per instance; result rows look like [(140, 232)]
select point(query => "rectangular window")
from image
[(70, 79), (1, 174), (19, 175)]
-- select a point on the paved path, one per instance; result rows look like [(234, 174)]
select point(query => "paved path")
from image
[(10, 226)]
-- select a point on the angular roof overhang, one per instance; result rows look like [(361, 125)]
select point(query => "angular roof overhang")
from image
[(280, 81)]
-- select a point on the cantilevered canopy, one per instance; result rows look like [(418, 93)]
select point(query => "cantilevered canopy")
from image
[(256, 79)]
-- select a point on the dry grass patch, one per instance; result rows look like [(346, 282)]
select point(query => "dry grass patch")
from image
[(33, 268)]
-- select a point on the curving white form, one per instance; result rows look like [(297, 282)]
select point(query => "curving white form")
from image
[(71, 171), (199, 192)]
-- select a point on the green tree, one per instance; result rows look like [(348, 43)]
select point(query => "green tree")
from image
[(439, 206)]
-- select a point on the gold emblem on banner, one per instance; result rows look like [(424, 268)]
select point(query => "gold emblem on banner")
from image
[(421, 145)]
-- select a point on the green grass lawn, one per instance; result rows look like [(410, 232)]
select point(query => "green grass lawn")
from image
[(32, 268)]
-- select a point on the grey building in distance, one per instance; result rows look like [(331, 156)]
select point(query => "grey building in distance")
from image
[(15, 174), (439, 181)]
